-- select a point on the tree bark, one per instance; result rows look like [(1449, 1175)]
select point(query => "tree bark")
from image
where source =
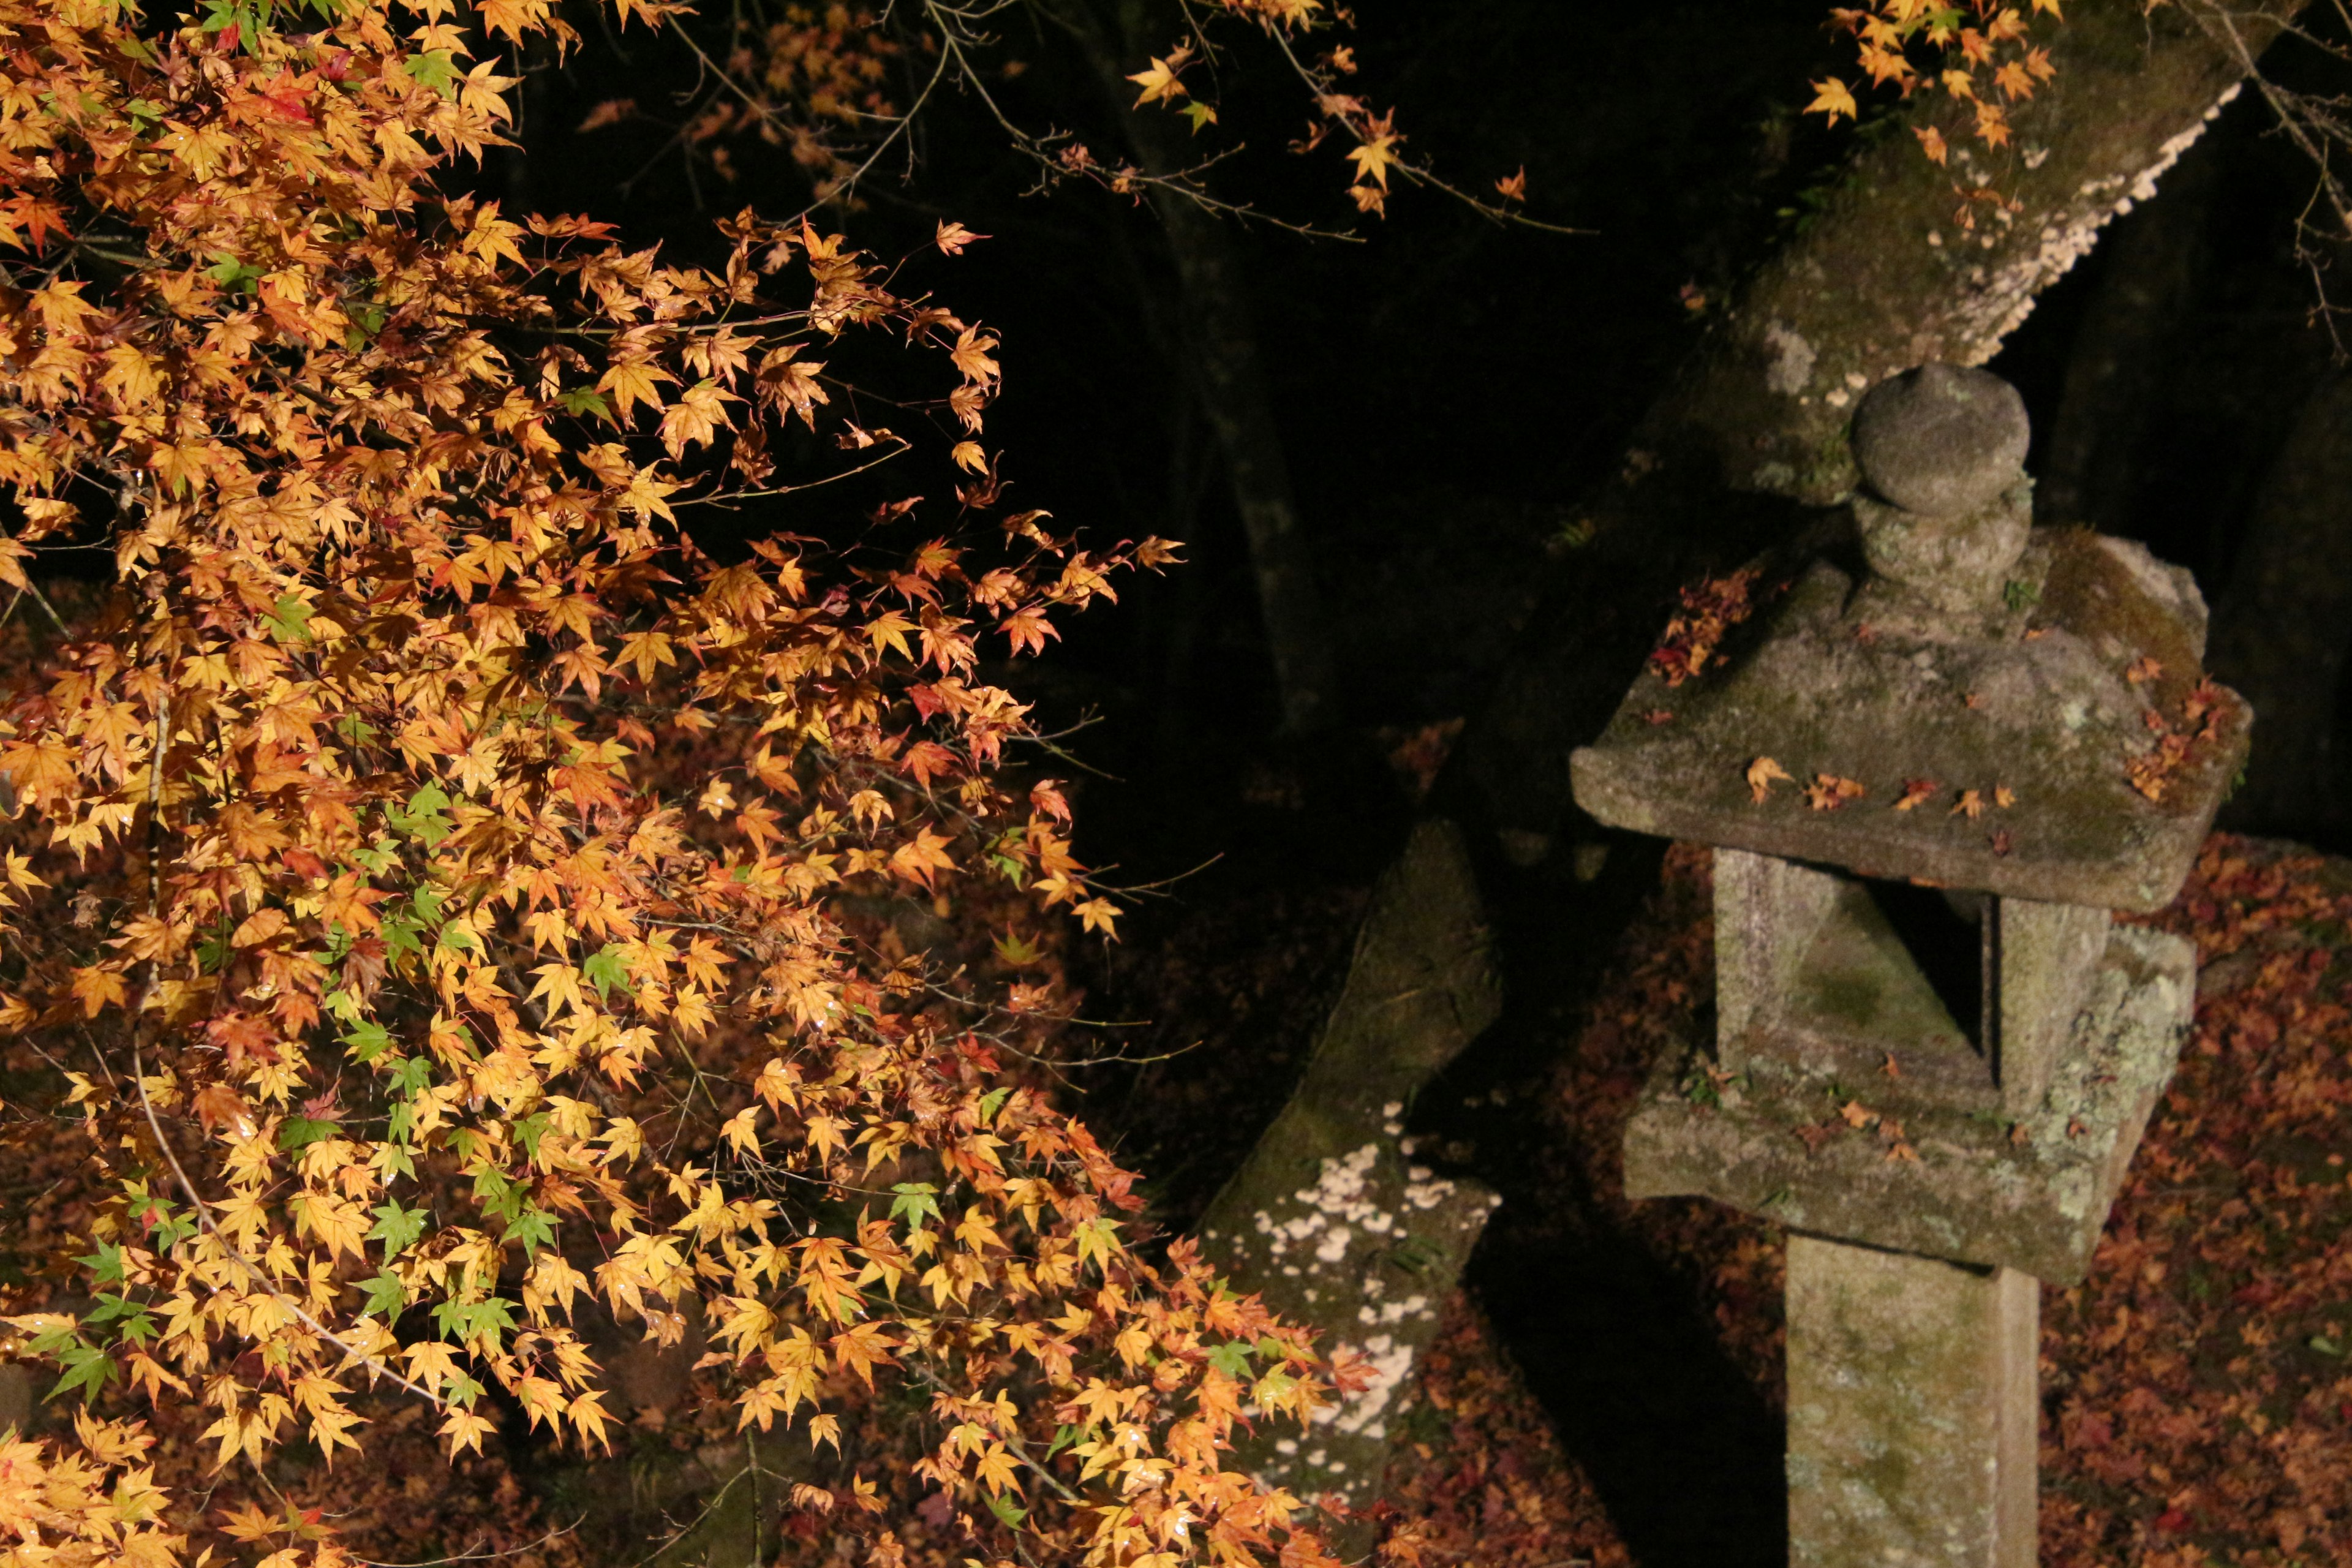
[(1752, 434), (1232, 386)]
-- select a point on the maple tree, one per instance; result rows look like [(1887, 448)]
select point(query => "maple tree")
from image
[(432, 882)]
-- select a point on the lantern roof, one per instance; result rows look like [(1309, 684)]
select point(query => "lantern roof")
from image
[(1959, 699)]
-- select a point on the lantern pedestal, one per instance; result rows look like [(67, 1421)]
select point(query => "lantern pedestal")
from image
[(1912, 1416)]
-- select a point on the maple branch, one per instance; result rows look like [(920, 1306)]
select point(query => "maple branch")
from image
[(472, 1555), (1420, 174), (728, 498), (1012, 1438), (39, 598), (1125, 180), (899, 124)]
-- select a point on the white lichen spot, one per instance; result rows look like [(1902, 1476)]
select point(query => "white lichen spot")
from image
[(1792, 359), (1428, 1195), (2002, 302), (1394, 1108), (1334, 1246), (1390, 1313), (1836, 397), (1285, 1447)]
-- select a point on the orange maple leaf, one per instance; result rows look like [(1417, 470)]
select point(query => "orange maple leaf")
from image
[(1828, 791)]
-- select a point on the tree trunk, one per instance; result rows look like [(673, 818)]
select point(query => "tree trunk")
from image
[(1330, 1218), (2095, 444), (1231, 380), (1753, 431), (2284, 625)]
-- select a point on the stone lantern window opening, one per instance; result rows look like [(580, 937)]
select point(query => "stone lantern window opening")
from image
[(1834, 973)]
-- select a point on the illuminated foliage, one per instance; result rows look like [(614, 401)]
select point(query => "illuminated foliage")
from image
[(436, 881)]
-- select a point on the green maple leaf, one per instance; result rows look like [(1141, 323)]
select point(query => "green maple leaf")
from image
[(436, 71), (397, 1228), (1231, 1358), (915, 1200), (385, 1295), (85, 1369), (289, 619), (605, 970)]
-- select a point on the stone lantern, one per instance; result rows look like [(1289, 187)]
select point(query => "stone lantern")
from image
[(1930, 764)]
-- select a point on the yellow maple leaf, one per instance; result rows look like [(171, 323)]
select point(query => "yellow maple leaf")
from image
[(1375, 156), (1762, 773), (1832, 100), (632, 381), (1158, 80)]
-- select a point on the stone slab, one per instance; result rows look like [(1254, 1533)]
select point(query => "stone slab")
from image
[(1912, 1411), (2028, 1192), (2034, 695)]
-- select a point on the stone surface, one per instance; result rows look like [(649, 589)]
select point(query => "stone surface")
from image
[(1331, 1219), (2043, 959), (1982, 1186), (1941, 439), (1955, 564), (2036, 694), (1912, 1416)]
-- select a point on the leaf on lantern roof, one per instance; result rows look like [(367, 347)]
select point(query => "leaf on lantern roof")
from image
[(1828, 791), (1762, 773)]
